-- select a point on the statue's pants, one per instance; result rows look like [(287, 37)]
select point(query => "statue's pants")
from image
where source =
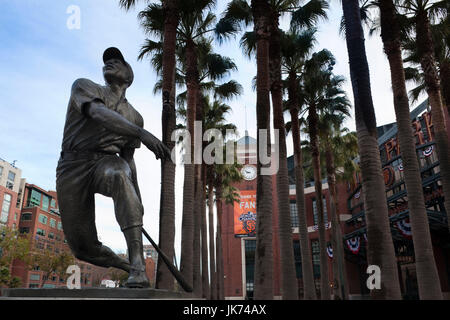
[(76, 184)]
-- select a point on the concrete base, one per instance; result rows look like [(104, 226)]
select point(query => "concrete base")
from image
[(91, 294)]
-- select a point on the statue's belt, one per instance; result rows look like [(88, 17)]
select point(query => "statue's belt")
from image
[(83, 155)]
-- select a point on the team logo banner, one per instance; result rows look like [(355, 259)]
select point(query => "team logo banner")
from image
[(245, 214)]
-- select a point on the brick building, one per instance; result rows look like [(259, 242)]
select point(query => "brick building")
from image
[(41, 221), (238, 220)]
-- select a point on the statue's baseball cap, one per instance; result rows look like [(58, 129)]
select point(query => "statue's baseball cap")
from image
[(114, 53)]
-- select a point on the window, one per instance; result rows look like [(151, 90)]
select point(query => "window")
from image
[(294, 214), (45, 203), (59, 226), (24, 230), (10, 181), (33, 285), (1, 171), (43, 218), (250, 248), (325, 216), (298, 259), (51, 235), (34, 199), (35, 277), (315, 248), (53, 203), (11, 176), (40, 232), (5, 208), (26, 216), (52, 223)]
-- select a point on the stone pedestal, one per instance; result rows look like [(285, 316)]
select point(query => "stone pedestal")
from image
[(91, 294)]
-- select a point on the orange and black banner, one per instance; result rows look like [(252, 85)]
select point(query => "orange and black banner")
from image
[(245, 214)]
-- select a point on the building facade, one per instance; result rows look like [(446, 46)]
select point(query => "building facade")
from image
[(11, 193), (41, 221), (238, 220)]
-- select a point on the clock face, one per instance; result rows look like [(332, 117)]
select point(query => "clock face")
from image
[(248, 172)]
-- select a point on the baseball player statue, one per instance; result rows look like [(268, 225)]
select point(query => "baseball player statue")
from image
[(101, 132)]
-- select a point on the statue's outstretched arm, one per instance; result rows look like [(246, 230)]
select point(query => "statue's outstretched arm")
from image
[(113, 121)]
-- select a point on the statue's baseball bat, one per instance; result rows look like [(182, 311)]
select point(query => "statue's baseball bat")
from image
[(177, 274)]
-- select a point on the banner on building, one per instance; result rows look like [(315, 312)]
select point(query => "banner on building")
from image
[(245, 214)]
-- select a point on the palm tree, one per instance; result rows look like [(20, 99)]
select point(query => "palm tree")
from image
[(315, 88), (307, 19), (441, 42), (340, 150), (225, 175), (295, 49), (212, 68), (380, 246), (258, 12), (238, 11), (427, 274), (330, 122), (194, 24), (164, 279), (421, 12)]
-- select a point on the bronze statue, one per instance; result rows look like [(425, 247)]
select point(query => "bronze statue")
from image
[(101, 133)]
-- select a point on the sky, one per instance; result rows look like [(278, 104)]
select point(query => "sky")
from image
[(42, 54)]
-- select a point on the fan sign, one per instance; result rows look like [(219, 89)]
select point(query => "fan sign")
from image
[(354, 244), (405, 227), (245, 214)]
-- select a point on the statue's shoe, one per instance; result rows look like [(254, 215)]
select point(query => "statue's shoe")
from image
[(137, 279)]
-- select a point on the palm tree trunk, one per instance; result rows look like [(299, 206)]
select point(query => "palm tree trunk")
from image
[(340, 290), (380, 249), (289, 286), (314, 142), (212, 260), (205, 275), (198, 219), (263, 286), (219, 248), (164, 279), (432, 84), (445, 83), (188, 223), (427, 274), (309, 288), (198, 286)]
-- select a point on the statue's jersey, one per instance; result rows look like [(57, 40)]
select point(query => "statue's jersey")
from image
[(81, 133)]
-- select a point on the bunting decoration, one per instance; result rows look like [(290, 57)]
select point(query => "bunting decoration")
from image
[(330, 251), (365, 237), (354, 244), (357, 195), (405, 227), (400, 167), (428, 151)]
